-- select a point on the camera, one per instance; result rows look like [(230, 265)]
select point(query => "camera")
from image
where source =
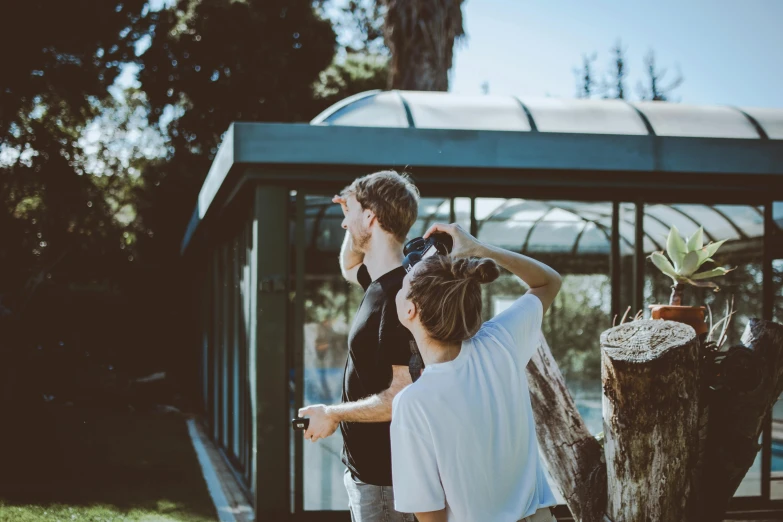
[(420, 248), (300, 423)]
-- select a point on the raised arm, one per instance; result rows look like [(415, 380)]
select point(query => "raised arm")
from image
[(350, 260), (544, 282)]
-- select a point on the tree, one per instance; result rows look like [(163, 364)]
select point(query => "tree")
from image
[(53, 86), (618, 73), (586, 82), (357, 72), (56, 57), (359, 24), (421, 36), (656, 90), (614, 87)]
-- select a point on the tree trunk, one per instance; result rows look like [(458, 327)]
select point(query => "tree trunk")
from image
[(573, 456), (737, 413), (650, 373), (420, 36)]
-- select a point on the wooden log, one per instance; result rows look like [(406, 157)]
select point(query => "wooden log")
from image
[(737, 413), (574, 458), (650, 373)]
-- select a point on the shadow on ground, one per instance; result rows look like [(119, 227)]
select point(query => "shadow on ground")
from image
[(95, 464)]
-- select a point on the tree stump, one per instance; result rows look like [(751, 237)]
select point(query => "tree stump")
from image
[(737, 413), (574, 458), (650, 373)]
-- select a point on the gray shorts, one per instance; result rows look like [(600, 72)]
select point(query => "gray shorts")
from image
[(370, 503)]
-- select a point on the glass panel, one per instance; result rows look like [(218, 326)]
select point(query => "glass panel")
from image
[(235, 372), (743, 284), (593, 240), (554, 236), (431, 210), (381, 110), (329, 307), (585, 116), (776, 490), (776, 485), (668, 216), (627, 241), (770, 119), (749, 219), (715, 224), (486, 207), (462, 212), (675, 119), (751, 484), (225, 343), (433, 110), (581, 311)]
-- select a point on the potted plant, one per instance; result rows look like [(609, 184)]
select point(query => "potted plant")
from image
[(687, 257)]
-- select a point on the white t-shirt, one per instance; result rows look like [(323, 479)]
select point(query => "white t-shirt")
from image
[(463, 435)]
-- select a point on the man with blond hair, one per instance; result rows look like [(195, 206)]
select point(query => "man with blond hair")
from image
[(379, 210)]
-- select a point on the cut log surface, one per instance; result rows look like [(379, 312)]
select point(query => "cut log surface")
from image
[(650, 373), (574, 457)]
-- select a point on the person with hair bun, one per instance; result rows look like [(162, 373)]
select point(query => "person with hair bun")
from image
[(463, 437)]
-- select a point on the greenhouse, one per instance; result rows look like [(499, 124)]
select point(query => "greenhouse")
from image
[(589, 187)]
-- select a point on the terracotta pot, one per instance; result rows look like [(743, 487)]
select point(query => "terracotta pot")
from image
[(690, 315)]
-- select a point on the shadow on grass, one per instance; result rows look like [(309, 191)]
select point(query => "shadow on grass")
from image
[(99, 464)]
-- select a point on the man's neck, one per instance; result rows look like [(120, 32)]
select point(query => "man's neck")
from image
[(383, 256)]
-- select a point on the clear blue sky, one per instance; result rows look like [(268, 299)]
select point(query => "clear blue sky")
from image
[(730, 52)]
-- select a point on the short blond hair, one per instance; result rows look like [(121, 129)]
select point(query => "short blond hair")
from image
[(392, 197)]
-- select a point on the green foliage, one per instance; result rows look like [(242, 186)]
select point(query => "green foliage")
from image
[(354, 74), (222, 61), (56, 56)]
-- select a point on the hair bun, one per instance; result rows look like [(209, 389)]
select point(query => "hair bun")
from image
[(482, 270)]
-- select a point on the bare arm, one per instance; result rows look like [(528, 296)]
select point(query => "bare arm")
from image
[(544, 282), (350, 260), (375, 408), (324, 420), (432, 516)]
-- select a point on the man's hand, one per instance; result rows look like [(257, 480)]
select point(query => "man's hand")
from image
[(343, 203), (322, 422)]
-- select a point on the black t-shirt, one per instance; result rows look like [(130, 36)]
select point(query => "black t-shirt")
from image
[(376, 343)]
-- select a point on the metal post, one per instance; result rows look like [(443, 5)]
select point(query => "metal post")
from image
[(473, 222), (766, 312), (638, 261), (614, 259), (274, 428), (298, 347)]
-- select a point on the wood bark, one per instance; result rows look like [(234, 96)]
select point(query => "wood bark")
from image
[(650, 373), (736, 419), (574, 458)]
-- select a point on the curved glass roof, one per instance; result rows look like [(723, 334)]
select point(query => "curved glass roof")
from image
[(437, 110), (557, 227)]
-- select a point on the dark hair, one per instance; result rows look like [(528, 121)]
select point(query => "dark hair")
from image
[(391, 196), (447, 294)]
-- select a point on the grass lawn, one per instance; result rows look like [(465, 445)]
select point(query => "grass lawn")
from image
[(64, 464)]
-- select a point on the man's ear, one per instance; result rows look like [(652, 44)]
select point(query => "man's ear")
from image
[(370, 217)]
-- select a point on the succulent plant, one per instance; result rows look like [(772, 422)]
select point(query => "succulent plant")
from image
[(687, 257)]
